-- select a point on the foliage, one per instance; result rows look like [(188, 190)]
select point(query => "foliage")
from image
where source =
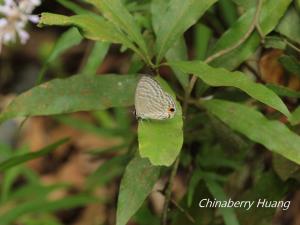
[(214, 139)]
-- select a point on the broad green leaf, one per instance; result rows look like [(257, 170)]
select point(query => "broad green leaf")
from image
[(295, 117), (137, 182), (16, 160), (228, 214), (274, 135), (222, 77), (291, 64), (77, 93), (41, 206), (283, 91), (289, 25), (181, 15), (272, 11), (91, 27), (67, 40), (161, 141), (95, 58), (117, 13)]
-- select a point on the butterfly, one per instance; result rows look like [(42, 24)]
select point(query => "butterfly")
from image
[(152, 102)]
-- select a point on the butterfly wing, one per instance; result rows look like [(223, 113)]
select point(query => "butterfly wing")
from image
[(150, 99)]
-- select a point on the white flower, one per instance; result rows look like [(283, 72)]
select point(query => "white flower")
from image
[(16, 15)]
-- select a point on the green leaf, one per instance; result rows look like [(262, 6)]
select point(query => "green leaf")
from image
[(284, 167), (288, 26), (228, 214), (95, 58), (202, 37), (274, 135), (194, 180), (274, 42), (181, 15), (87, 127), (16, 160), (272, 11), (40, 206), (107, 171), (158, 8), (161, 141), (295, 117), (291, 64), (283, 91), (179, 52), (228, 10), (117, 13), (74, 7), (222, 77), (137, 182), (67, 40), (77, 93), (246, 3), (91, 27)]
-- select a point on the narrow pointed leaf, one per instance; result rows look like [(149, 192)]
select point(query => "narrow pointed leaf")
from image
[(274, 135), (44, 206), (295, 117), (95, 58), (91, 27), (222, 77), (16, 160), (67, 40), (217, 192), (137, 182)]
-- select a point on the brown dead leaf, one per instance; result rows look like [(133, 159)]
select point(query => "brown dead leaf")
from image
[(270, 69)]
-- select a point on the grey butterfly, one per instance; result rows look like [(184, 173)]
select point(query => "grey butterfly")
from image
[(152, 102)]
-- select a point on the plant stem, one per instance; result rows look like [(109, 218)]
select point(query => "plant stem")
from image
[(168, 193)]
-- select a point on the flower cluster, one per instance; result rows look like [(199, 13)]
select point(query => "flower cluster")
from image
[(15, 15)]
